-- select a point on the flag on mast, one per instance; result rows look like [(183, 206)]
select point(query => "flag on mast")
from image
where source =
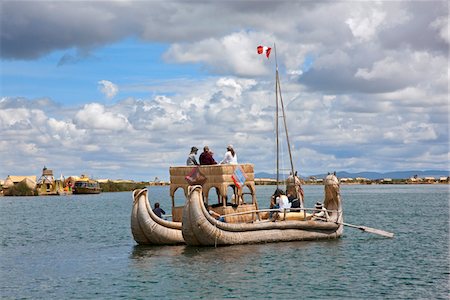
[(264, 49)]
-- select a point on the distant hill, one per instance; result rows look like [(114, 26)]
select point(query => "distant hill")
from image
[(372, 175)]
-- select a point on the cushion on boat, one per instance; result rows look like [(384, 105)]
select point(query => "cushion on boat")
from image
[(295, 216)]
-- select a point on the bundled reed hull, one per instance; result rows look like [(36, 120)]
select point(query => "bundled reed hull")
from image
[(147, 228), (201, 229)]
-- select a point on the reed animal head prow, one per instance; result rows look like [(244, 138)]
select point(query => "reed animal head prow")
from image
[(332, 192), (137, 193), (293, 185)]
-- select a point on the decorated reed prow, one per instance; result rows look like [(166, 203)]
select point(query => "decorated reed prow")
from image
[(150, 229)]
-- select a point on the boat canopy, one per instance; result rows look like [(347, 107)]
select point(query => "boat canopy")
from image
[(219, 177)]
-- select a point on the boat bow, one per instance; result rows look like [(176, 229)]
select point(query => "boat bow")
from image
[(148, 228)]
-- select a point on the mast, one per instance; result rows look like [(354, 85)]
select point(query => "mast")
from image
[(276, 115), (285, 127), (278, 96)]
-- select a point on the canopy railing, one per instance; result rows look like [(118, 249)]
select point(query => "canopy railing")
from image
[(282, 210)]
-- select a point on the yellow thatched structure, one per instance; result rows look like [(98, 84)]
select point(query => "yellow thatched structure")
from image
[(219, 178), (11, 181)]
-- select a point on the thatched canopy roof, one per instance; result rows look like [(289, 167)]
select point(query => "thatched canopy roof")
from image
[(11, 180)]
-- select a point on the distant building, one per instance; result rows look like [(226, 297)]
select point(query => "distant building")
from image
[(429, 180), (346, 180), (444, 179), (48, 185), (265, 181), (386, 181), (363, 180)]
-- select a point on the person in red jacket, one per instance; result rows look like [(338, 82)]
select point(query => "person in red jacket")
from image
[(206, 158)]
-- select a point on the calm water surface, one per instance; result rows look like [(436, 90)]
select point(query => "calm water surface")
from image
[(81, 247)]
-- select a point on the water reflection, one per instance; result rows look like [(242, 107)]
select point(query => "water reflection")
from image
[(231, 253), (145, 251)]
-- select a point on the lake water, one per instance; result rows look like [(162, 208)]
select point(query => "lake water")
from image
[(81, 247)]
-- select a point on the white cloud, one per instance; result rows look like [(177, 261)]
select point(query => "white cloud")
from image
[(441, 24), (412, 132), (234, 88), (365, 22), (108, 88), (232, 53), (95, 116)]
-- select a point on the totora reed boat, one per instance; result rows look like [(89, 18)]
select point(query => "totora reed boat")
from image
[(246, 224), (235, 218)]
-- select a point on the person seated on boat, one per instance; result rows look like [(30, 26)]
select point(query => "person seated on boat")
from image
[(282, 200), (158, 210), (295, 202), (230, 157), (191, 160), (217, 216), (206, 157), (279, 200), (320, 213), (273, 204)]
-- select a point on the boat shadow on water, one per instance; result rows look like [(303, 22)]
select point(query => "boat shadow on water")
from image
[(237, 252), (147, 251)]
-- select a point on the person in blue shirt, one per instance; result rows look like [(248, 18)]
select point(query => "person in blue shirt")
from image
[(158, 210)]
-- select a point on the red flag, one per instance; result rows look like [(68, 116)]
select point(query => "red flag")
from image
[(264, 49), (260, 49)]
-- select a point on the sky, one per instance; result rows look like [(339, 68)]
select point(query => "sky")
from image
[(123, 89)]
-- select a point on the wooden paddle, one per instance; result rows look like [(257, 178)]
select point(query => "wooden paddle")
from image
[(371, 230)]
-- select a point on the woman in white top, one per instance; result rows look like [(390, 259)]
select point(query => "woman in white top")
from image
[(283, 201), (230, 156)]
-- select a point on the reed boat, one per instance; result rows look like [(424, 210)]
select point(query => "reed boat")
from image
[(85, 185), (246, 224), (149, 229)]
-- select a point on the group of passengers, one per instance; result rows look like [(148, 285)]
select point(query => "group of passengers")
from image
[(206, 157), (280, 201)]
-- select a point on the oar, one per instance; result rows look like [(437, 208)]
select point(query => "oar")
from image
[(371, 230)]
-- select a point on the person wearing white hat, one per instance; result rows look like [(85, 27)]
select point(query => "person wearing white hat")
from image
[(230, 157), (320, 213), (191, 160)]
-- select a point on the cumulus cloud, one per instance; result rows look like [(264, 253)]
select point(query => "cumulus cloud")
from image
[(364, 24), (441, 25), (95, 116), (233, 53), (108, 88)]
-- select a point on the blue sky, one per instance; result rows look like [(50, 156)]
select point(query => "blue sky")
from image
[(123, 89), (72, 79)]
